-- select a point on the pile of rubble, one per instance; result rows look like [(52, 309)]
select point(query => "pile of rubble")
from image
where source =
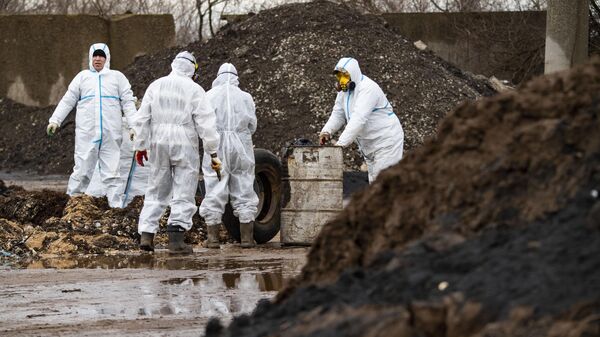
[(38, 224)]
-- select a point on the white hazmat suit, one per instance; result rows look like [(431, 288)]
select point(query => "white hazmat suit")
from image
[(133, 176), (236, 122), (369, 118), (174, 112), (100, 97)]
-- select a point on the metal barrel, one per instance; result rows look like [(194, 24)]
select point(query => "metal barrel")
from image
[(315, 179)]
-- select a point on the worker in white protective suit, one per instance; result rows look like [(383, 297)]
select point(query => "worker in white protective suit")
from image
[(236, 122), (100, 95), (370, 120), (174, 112)]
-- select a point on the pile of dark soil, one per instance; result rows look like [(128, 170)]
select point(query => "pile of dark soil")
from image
[(24, 144), (285, 57), (34, 224), (493, 229)]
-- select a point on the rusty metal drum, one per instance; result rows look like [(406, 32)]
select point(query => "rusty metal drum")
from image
[(315, 180)]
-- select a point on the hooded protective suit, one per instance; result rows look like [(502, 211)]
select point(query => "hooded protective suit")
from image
[(134, 177), (236, 122), (174, 112), (369, 119), (100, 97)]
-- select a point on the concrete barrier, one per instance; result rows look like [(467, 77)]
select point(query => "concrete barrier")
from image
[(40, 54), (508, 45)]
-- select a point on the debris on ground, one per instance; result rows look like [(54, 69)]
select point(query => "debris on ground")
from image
[(35, 224), (492, 229)]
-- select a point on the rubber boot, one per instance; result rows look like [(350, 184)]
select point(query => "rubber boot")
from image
[(212, 239), (176, 244), (247, 234), (147, 242)]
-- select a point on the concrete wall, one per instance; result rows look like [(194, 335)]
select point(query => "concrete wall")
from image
[(489, 43), (40, 54), (566, 34)]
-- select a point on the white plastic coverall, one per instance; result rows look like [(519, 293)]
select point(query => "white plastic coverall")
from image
[(369, 119), (100, 97), (134, 178), (174, 112), (236, 122)]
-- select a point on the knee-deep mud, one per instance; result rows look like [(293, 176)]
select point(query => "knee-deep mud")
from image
[(140, 294)]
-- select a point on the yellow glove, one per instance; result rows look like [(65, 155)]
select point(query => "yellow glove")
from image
[(215, 164), (51, 129)]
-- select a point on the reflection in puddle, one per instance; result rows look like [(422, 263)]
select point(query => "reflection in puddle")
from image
[(144, 261), (269, 281), (134, 287)]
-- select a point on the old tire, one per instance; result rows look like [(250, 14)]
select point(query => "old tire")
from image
[(268, 186)]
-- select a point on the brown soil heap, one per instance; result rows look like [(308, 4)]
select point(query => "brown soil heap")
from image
[(493, 229)]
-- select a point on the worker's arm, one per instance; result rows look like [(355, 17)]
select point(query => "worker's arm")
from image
[(143, 121), (68, 102), (205, 122), (252, 112), (127, 99), (337, 118), (363, 108)]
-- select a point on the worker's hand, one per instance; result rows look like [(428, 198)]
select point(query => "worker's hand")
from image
[(215, 164), (131, 135), (51, 129), (324, 137), (140, 156)]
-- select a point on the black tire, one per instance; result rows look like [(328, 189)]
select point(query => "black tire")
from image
[(268, 186)]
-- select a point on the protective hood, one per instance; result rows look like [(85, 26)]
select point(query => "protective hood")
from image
[(184, 64), (227, 74), (350, 65), (103, 47)]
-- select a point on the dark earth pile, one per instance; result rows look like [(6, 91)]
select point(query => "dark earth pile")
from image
[(285, 57), (35, 224), (493, 229), (24, 144)]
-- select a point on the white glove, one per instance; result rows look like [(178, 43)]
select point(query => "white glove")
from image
[(131, 135), (51, 129)]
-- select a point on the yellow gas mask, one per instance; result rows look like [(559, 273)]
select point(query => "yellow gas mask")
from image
[(344, 82)]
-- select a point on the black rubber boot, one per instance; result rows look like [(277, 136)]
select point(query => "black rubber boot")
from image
[(176, 244), (247, 234), (147, 242), (212, 239)]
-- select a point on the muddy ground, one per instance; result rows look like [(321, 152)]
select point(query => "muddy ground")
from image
[(492, 229), (140, 294), (288, 70)]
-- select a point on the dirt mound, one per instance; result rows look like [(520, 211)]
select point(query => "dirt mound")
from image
[(34, 224), (491, 230), (24, 144), (285, 58)]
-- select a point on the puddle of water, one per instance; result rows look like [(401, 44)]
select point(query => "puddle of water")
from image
[(80, 294), (268, 281)]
